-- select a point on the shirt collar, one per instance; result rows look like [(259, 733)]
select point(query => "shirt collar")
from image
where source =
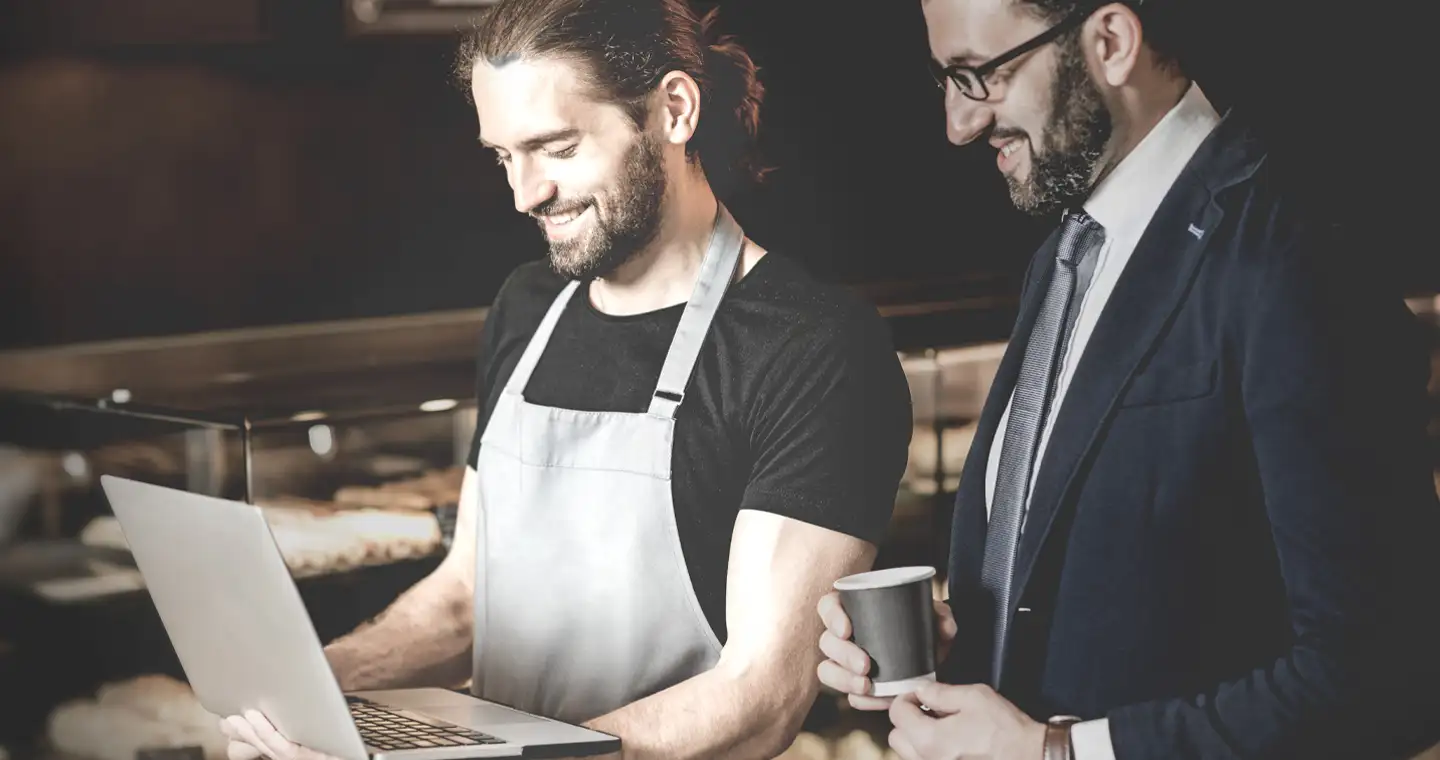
[(1127, 198)]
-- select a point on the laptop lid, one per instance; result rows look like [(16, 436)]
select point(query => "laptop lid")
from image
[(233, 613)]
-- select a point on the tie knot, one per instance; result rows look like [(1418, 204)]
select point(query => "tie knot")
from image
[(1079, 234)]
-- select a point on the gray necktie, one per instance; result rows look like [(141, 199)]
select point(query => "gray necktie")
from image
[(1034, 390)]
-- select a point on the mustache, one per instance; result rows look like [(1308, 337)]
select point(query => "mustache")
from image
[(1008, 133), (558, 207)]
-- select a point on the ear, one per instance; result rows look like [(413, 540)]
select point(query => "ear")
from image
[(1113, 36), (680, 112)]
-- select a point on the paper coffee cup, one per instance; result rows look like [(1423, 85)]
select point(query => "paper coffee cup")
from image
[(892, 616)]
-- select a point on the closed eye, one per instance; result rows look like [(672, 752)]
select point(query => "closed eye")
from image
[(566, 152)]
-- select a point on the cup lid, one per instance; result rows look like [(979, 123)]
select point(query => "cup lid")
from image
[(890, 576)]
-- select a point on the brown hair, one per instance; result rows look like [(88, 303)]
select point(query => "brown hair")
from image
[(626, 47)]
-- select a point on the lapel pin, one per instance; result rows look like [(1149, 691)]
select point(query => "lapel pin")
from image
[(1197, 232)]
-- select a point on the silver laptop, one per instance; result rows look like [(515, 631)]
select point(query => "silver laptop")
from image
[(245, 641)]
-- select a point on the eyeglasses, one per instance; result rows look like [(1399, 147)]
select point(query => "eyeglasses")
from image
[(970, 80)]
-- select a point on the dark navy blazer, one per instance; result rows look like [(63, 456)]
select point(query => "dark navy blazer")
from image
[(1226, 547)]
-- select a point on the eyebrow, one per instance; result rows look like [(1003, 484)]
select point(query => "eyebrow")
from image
[(964, 58), (540, 140)]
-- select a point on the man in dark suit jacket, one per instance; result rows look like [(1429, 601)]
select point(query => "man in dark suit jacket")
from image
[(1193, 522)]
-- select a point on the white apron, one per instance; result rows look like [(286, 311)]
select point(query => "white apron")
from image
[(583, 602)]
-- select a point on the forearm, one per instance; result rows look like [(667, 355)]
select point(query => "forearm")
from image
[(751, 704), (422, 639), (722, 713)]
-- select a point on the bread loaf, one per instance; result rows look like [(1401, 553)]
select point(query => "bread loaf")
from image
[(297, 506), (441, 486), (148, 712), (807, 746), (314, 538), (436, 488), (157, 697), (103, 532), (137, 458), (857, 745), (380, 498)]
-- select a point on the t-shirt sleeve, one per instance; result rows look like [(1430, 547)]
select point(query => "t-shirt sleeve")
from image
[(830, 427)]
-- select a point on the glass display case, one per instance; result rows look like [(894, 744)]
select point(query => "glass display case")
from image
[(361, 502), (319, 420), (351, 437)]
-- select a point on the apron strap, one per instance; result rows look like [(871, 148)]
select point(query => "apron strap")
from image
[(520, 376), (716, 272)]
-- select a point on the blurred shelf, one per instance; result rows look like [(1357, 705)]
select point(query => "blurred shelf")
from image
[(64, 651)]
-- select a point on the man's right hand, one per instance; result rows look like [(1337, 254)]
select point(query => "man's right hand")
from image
[(252, 737), (846, 665)]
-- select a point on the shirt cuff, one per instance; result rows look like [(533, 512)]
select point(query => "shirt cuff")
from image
[(1091, 740)]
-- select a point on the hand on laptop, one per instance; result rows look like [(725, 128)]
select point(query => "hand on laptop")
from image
[(846, 664), (252, 737)]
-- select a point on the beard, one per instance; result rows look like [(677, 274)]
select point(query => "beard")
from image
[(626, 223), (1063, 169)]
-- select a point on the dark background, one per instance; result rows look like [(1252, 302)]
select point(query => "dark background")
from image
[(170, 167)]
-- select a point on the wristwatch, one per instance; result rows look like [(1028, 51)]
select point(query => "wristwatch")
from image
[(1057, 737)]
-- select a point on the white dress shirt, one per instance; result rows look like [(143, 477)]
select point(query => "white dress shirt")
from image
[(1123, 203)]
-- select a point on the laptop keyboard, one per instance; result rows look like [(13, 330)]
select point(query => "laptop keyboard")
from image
[(383, 728)]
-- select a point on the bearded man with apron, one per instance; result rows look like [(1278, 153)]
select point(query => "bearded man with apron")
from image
[(682, 440)]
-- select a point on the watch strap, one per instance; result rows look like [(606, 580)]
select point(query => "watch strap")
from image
[(1057, 738)]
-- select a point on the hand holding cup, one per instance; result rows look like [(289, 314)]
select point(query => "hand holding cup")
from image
[(884, 634)]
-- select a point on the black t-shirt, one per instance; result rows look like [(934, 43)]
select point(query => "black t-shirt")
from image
[(797, 406)]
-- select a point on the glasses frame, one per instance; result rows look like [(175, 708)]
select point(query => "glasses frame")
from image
[(973, 77)]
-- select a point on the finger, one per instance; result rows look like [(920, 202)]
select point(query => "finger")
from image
[(241, 750), (906, 715), (841, 679), (229, 730), (280, 747), (870, 704), (945, 620), (833, 615), (247, 735), (948, 699), (846, 654), (902, 746)]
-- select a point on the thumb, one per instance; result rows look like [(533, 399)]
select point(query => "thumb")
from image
[(948, 699)]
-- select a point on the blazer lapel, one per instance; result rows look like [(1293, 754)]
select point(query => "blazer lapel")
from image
[(1145, 297)]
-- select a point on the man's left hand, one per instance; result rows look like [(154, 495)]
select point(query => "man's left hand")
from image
[(963, 722)]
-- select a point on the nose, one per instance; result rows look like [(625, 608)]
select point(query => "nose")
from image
[(965, 118), (529, 183)]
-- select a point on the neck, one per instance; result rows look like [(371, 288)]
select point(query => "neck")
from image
[(1137, 108), (663, 274)]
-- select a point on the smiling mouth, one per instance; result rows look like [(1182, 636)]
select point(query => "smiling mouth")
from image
[(560, 220), (1009, 148)]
